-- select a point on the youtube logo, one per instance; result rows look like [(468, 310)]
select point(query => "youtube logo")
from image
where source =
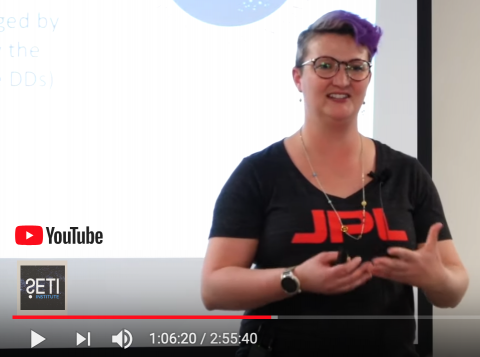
[(29, 235), (33, 235)]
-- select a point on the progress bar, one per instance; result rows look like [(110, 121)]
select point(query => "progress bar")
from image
[(141, 317), (237, 317)]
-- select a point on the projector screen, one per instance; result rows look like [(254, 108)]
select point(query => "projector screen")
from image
[(124, 119), (128, 117)]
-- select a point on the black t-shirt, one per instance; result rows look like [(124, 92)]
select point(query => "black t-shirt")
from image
[(268, 198)]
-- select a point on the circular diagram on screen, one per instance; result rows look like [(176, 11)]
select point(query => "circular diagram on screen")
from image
[(229, 12)]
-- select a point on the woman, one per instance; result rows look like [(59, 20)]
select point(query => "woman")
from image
[(337, 225)]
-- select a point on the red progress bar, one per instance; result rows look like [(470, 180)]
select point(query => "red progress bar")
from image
[(141, 317)]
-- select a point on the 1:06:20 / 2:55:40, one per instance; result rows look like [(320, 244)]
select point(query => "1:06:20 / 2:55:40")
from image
[(205, 338)]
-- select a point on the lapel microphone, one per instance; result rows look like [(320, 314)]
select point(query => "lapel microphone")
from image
[(381, 177)]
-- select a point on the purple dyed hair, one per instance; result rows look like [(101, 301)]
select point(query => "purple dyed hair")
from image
[(343, 23)]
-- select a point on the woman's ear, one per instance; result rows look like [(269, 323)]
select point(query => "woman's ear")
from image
[(297, 76)]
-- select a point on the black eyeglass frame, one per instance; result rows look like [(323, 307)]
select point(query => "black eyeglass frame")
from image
[(348, 67)]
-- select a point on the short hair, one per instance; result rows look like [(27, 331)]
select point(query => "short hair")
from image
[(343, 23)]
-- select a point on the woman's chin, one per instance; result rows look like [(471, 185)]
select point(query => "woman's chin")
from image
[(339, 112), (340, 116)]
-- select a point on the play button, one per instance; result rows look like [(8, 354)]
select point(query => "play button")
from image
[(35, 338), (80, 339), (29, 235)]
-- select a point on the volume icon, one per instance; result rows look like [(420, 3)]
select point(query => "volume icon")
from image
[(124, 339)]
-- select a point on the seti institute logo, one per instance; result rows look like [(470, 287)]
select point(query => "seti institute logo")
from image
[(42, 287)]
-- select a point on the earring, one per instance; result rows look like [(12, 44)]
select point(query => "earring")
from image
[(300, 99), (363, 102)]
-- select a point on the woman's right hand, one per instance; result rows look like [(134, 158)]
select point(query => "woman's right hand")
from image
[(320, 275)]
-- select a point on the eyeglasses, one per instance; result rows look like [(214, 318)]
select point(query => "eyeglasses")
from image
[(327, 67)]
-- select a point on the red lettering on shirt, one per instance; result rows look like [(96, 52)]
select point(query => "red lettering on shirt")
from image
[(320, 233), (321, 229), (383, 231), (336, 234)]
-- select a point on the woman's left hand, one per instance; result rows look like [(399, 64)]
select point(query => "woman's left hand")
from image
[(422, 268)]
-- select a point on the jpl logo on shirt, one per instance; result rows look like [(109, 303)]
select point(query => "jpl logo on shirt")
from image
[(333, 228)]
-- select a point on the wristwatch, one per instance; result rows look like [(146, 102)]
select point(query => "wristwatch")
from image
[(290, 283)]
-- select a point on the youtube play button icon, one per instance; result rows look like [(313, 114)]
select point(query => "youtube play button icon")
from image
[(29, 235)]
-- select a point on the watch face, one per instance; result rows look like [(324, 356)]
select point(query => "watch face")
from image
[(289, 285)]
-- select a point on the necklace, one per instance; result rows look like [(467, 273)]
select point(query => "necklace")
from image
[(343, 227)]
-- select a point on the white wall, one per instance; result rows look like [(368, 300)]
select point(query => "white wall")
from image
[(456, 164)]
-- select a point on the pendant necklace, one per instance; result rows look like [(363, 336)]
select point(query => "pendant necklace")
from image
[(343, 227)]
